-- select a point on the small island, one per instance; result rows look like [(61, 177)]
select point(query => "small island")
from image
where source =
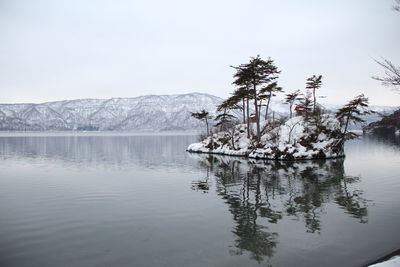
[(294, 139), (309, 132)]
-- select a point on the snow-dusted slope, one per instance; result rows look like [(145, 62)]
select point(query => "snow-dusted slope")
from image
[(145, 113)]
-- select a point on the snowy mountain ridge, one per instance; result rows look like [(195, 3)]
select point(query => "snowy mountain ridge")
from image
[(143, 113), (152, 113)]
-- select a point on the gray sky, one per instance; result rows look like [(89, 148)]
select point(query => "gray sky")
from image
[(67, 49)]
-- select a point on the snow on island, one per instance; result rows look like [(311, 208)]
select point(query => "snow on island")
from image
[(393, 262), (295, 139)]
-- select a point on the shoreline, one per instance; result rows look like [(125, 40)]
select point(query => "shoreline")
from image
[(384, 258), (260, 158)]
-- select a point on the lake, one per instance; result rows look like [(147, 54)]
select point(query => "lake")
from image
[(131, 200)]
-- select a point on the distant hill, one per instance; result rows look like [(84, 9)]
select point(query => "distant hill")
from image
[(388, 124), (150, 113), (144, 113)]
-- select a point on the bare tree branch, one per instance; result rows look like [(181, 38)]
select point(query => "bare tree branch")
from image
[(392, 74), (396, 6)]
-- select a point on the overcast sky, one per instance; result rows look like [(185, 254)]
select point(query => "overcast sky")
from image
[(68, 49)]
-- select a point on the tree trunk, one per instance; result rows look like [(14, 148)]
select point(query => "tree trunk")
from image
[(244, 111), (266, 111), (314, 99), (347, 124), (344, 132), (290, 110), (208, 134), (233, 137), (256, 109), (248, 117)]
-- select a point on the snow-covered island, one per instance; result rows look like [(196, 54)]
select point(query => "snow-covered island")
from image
[(295, 139), (309, 132)]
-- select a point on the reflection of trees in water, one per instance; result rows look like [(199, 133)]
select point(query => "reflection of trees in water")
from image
[(392, 140), (353, 202), (242, 192), (261, 193)]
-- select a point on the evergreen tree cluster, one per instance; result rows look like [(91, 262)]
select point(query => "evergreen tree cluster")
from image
[(256, 84)]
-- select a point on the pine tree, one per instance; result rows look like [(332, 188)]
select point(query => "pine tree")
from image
[(352, 112), (202, 115), (243, 82), (268, 92), (230, 103), (227, 122), (291, 99), (242, 94), (306, 103), (314, 83), (255, 74)]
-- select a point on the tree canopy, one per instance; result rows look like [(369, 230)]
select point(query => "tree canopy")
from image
[(314, 83), (202, 115), (352, 112), (291, 99), (254, 75)]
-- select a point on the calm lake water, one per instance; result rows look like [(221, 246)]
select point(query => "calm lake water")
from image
[(143, 201)]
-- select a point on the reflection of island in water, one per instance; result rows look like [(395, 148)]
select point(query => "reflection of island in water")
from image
[(392, 140), (261, 193)]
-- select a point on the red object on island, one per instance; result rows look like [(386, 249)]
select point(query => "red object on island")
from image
[(252, 115), (299, 108)]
